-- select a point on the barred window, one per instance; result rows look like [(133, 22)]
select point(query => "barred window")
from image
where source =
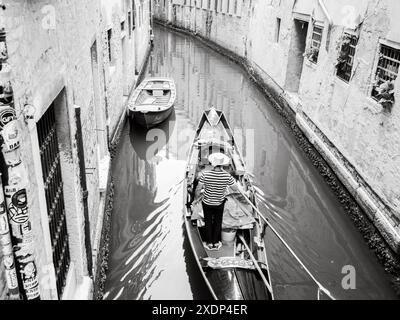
[(316, 43), (388, 67), (53, 187), (110, 54), (130, 23), (346, 57), (277, 29)]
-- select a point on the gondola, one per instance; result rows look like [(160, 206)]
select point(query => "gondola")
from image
[(152, 101), (239, 270)]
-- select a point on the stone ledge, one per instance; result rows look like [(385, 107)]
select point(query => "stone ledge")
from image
[(357, 188)]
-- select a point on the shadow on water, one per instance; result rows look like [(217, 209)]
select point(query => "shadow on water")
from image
[(148, 142), (198, 286)]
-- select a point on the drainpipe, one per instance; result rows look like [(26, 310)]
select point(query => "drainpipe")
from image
[(82, 174), (325, 10), (330, 21)]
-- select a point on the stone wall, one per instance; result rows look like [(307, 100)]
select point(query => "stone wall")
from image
[(59, 53), (3, 285), (348, 127)]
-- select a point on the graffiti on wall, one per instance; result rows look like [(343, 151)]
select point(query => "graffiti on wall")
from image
[(16, 222)]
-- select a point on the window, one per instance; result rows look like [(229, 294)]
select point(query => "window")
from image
[(388, 67), (122, 26), (53, 187), (235, 8), (346, 57), (315, 43), (278, 29), (109, 37), (228, 6), (216, 5), (130, 23), (133, 14), (140, 16), (209, 5)]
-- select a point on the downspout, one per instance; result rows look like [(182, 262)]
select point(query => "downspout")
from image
[(330, 21), (325, 10), (82, 173)]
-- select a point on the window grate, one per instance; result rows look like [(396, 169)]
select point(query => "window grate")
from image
[(388, 67), (346, 59), (278, 29), (109, 38), (53, 185), (316, 40)]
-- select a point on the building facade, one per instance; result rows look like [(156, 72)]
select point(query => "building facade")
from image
[(336, 64), (70, 68)]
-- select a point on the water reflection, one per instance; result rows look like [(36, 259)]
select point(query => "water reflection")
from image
[(150, 256)]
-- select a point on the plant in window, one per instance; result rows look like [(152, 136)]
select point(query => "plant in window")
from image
[(312, 54), (345, 51), (385, 94)]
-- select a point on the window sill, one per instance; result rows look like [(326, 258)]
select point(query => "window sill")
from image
[(310, 64), (373, 106), (341, 82)]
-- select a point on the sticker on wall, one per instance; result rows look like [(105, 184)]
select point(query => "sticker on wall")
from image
[(21, 230), (7, 114), (7, 250), (11, 137)]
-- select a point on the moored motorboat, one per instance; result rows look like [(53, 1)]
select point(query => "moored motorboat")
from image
[(152, 101), (239, 270)]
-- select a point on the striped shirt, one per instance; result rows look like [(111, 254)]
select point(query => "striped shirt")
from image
[(215, 184)]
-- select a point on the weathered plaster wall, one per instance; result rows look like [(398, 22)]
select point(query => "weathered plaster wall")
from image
[(359, 137), (228, 29), (268, 54), (3, 285), (349, 117)]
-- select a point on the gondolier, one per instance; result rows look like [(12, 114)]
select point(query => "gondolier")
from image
[(215, 183), (239, 270)]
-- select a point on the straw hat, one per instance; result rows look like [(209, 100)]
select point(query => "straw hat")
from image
[(219, 159)]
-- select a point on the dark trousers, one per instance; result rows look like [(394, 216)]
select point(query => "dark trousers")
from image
[(213, 222)]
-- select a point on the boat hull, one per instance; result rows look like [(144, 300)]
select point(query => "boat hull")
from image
[(229, 283), (150, 119)]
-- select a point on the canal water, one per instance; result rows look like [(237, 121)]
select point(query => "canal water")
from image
[(150, 257)]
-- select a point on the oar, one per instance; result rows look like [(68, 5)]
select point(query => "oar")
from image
[(320, 286), (267, 284)]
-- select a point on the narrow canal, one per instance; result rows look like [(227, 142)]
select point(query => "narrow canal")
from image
[(150, 257)]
